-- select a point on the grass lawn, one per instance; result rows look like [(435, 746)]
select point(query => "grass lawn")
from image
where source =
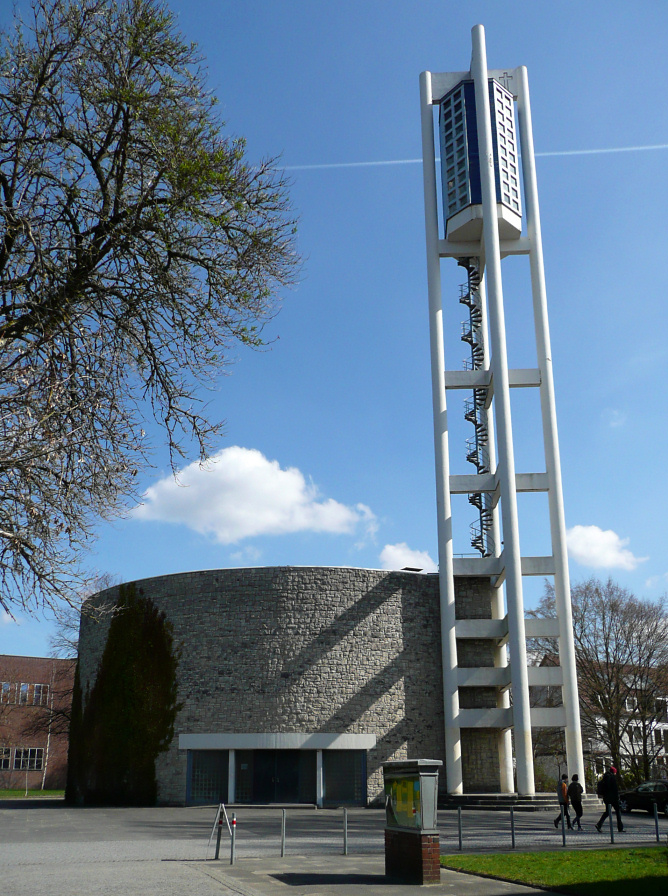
[(38, 794), (641, 871)]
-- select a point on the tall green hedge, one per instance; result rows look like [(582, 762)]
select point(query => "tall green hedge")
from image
[(128, 717)]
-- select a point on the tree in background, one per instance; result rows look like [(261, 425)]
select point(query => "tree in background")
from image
[(621, 650), (126, 719), (136, 246), (64, 641), (54, 716), (548, 744)]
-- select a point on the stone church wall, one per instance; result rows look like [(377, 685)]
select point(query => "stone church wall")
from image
[(308, 650)]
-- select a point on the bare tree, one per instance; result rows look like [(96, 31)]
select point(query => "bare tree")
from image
[(136, 246), (549, 745), (649, 680), (53, 716), (621, 650), (64, 642)]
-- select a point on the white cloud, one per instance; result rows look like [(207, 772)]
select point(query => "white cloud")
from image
[(240, 494), (248, 554), (599, 548), (5, 618), (660, 580), (614, 418), (397, 556), (368, 518)]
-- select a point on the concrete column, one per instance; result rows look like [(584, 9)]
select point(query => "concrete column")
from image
[(504, 739), (453, 759), (506, 463), (562, 588)]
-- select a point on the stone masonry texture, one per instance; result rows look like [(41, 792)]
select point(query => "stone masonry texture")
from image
[(310, 650)]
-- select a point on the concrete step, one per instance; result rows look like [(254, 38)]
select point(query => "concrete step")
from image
[(504, 801)]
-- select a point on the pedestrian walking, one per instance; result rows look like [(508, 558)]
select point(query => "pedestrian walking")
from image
[(575, 791), (562, 794), (608, 791)]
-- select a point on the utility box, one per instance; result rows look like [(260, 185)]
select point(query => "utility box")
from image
[(412, 853)]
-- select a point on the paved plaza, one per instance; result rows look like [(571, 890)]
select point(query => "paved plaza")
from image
[(46, 846)]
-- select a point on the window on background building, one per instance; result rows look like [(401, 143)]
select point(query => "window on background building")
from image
[(658, 739), (28, 758), (7, 690), (40, 695), (5, 758), (23, 694), (631, 703)]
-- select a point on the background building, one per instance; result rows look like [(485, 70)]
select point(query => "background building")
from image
[(643, 742), (35, 700), (640, 718)]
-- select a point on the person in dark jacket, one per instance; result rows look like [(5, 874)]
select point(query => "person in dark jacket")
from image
[(562, 795), (609, 793), (575, 791)]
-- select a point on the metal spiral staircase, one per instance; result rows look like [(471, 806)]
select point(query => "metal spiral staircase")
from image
[(475, 411)]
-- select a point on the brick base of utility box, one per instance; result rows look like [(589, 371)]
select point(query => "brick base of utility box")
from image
[(412, 857)]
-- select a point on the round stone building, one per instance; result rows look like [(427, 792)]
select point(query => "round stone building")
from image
[(286, 684)]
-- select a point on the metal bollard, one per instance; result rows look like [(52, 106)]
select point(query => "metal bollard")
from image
[(282, 833), (219, 832), (656, 822), (233, 844), (612, 830), (512, 826), (563, 827), (459, 825), (345, 832)]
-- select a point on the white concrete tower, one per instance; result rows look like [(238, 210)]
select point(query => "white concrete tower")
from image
[(482, 217)]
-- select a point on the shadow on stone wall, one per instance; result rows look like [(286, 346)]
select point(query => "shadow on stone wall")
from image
[(342, 627)]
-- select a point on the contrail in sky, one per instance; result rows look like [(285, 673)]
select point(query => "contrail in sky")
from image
[(352, 165), (594, 152), (559, 152)]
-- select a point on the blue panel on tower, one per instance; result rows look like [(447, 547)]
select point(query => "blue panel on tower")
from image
[(475, 190), (460, 160)]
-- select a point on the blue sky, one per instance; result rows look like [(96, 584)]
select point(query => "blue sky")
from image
[(328, 454)]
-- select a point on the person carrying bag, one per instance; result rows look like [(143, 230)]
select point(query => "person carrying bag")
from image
[(562, 794)]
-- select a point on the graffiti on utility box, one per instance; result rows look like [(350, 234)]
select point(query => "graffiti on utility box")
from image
[(402, 803)]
